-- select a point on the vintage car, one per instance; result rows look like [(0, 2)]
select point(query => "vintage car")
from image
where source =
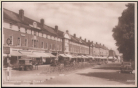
[(126, 67), (25, 64)]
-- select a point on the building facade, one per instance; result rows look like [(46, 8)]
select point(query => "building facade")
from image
[(27, 34)]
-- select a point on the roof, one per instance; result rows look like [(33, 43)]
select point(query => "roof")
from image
[(27, 21), (73, 39)]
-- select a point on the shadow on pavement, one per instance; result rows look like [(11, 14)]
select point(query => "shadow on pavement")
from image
[(112, 76), (109, 67)]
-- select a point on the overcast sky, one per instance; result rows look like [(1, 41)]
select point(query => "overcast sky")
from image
[(92, 20)]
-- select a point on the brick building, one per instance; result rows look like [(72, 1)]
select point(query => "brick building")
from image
[(26, 34)]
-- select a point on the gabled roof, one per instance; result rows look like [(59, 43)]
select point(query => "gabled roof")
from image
[(73, 39), (10, 15), (27, 21), (60, 34)]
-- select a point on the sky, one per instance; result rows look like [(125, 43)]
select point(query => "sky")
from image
[(92, 20)]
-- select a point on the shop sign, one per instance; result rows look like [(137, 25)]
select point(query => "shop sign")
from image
[(6, 50)]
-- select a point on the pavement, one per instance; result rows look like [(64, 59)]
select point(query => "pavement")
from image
[(108, 74)]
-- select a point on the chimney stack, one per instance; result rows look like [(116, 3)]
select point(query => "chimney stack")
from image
[(56, 29), (67, 31), (80, 37), (42, 22), (85, 39), (74, 35), (21, 14)]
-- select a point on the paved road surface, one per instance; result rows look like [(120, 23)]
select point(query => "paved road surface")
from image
[(99, 75)]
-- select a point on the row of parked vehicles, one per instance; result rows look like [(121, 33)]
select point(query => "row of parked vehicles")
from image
[(28, 63)]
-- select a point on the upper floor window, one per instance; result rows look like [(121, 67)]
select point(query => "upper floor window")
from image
[(36, 33), (26, 42), (10, 25), (19, 41), (22, 29), (46, 45), (32, 32), (50, 46), (28, 31), (42, 45), (35, 43), (40, 34), (11, 38), (44, 35)]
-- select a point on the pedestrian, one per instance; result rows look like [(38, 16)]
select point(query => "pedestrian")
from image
[(36, 65)]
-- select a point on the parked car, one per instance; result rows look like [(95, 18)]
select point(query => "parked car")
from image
[(126, 67), (25, 64)]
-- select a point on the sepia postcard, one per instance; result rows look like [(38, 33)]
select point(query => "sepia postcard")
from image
[(70, 44)]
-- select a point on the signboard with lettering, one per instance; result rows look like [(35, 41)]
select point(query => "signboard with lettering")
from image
[(6, 50)]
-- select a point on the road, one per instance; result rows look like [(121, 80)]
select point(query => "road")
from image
[(93, 76), (98, 75)]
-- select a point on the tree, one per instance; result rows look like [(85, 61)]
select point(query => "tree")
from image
[(123, 33)]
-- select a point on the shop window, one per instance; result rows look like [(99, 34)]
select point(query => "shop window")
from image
[(19, 41)]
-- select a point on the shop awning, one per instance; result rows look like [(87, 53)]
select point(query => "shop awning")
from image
[(51, 55), (96, 57), (25, 52), (74, 56), (90, 56), (41, 54), (33, 56), (62, 55), (110, 58), (84, 56), (79, 56), (68, 55), (15, 53)]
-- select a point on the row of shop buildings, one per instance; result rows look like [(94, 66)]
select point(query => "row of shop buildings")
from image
[(21, 33)]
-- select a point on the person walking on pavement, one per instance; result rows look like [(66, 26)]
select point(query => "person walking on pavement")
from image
[(36, 65)]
